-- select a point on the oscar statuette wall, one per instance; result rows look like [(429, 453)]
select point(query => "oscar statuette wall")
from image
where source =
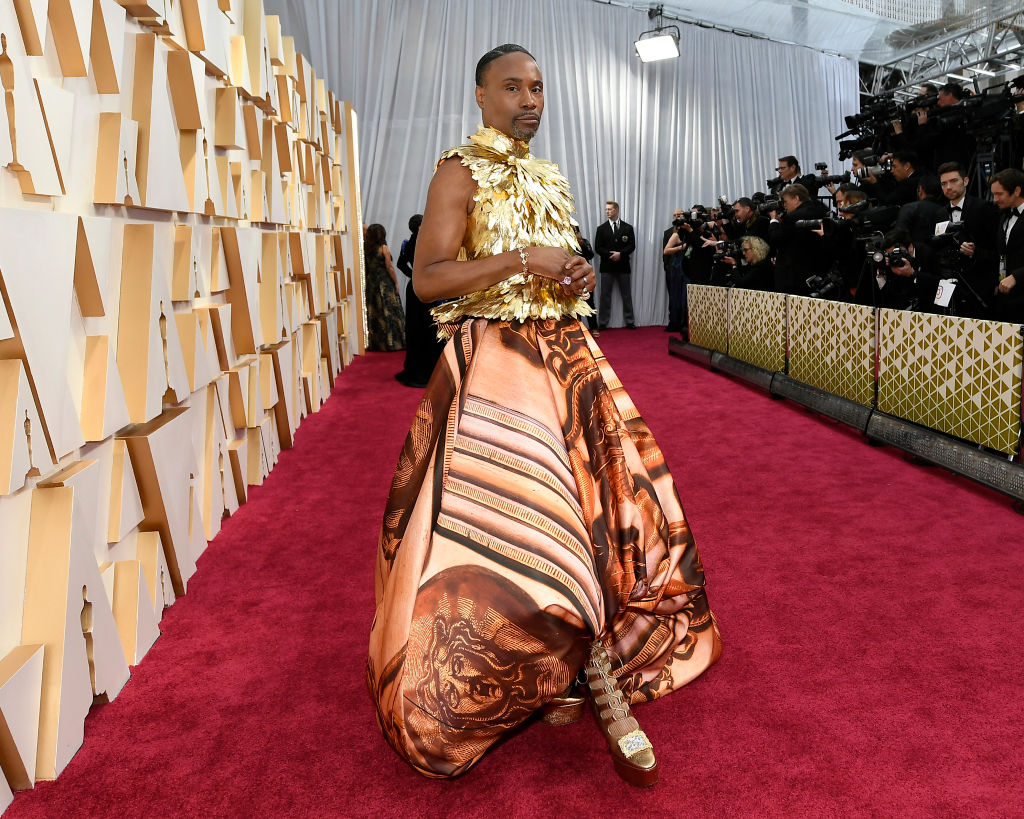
[(180, 272)]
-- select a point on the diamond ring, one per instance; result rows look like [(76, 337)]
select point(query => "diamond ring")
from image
[(567, 281)]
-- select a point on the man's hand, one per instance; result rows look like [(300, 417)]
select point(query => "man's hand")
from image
[(967, 248), (558, 264), (549, 262), (615, 256), (1007, 284), (906, 270)]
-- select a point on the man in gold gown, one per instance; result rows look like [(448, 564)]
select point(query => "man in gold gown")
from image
[(533, 530)]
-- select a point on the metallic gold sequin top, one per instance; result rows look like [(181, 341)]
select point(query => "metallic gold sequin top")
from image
[(520, 201)]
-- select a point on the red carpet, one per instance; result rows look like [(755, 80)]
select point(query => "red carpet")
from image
[(870, 609)]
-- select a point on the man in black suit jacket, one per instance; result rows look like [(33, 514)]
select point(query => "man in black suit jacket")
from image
[(614, 243), (979, 252), (789, 174), (799, 251), (1008, 194)]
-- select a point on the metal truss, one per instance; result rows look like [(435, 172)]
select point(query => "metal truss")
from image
[(975, 54)]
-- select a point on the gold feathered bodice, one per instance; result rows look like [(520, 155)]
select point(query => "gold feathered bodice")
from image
[(519, 201)]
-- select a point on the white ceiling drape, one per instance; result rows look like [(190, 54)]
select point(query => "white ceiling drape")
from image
[(652, 136)]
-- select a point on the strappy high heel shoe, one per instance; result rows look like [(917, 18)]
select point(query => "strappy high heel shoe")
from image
[(566, 708), (631, 750)]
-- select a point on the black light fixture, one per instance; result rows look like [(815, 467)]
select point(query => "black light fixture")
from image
[(661, 43)]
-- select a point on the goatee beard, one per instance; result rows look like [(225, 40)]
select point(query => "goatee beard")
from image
[(523, 136)]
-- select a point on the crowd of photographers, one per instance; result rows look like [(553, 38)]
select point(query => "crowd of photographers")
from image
[(904, 229)]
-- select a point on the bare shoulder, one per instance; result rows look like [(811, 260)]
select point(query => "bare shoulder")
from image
[(453, 182)]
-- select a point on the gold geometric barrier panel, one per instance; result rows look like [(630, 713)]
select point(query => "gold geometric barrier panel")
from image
[(757, 328), (709, 316), (832, 347), (955, 375)]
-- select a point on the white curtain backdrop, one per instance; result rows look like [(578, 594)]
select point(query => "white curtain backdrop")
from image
[(652, 137)]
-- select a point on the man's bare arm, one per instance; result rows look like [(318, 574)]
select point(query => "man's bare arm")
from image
[(436, 273)]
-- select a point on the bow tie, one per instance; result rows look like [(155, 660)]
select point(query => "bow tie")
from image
[(1014, 212), (955, 207)]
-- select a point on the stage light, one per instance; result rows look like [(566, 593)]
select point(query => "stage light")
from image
[(659, 44)]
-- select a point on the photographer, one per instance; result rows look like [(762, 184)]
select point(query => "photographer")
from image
[(746, 221), (799, 252), (975, 256), (899, 275), (845, 248), (919, 218), (755, 271), (898, 186), (695, 229), (946, 134), (789, 174)]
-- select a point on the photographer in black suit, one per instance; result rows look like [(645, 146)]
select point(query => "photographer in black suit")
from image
[(799, 251), (1008, 194), (789, 174), (746, 221), (614, 242)]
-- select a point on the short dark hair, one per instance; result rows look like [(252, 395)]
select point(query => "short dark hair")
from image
[(931, 187), (1009, 179), (863, 154), (898, 236), (952, 167), (907, 156), (954, 89), (790, 160), (414, 222), (745, 201), (929, 88), (495, 53), (856, 195), (798, 191)]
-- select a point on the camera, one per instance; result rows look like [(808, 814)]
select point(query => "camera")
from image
[(723, 249), (679, 222), (897, 257), (955, 235), (769, 204), (873, 167), (824, 287)]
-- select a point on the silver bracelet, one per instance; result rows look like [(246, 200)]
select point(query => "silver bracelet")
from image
[(525, 259)]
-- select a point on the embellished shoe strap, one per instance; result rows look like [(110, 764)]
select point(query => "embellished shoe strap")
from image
[(634, 742)]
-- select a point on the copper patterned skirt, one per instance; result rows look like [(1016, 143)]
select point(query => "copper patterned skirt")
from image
[(531, 511)]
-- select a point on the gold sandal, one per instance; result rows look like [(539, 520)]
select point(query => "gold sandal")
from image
[(632, 752), (564, 709)]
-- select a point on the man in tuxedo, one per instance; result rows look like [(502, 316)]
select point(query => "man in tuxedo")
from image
[(1008, 194), (614, 243), (789, 174), (979, 253)]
